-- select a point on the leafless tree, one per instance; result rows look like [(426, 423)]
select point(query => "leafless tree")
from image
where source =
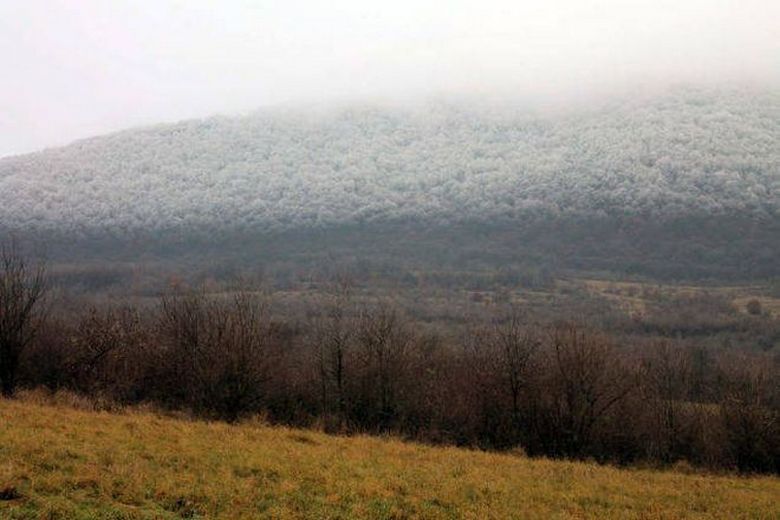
[(384, 341), (753, 427), (587, 380), (334, 334), (22, 291), (220, 350), (515, 341), (109, 349), (667, 375)]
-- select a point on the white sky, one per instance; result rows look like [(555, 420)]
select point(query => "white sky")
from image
[(74, 68)]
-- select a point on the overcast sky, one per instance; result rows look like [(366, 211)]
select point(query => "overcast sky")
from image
[(74, 68)]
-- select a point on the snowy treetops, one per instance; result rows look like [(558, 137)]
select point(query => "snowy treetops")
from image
[(689, 151)]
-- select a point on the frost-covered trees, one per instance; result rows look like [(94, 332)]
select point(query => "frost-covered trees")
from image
[(689, 151)]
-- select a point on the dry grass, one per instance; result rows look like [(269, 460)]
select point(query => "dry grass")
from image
[(57, 461), (768, 304), (633, 297)]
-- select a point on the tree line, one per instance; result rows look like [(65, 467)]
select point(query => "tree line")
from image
[(556, 389)]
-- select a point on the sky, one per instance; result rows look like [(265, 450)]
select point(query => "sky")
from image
[(76, 68)]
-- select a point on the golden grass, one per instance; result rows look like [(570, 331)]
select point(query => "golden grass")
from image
[(77, 463), (634, 296)]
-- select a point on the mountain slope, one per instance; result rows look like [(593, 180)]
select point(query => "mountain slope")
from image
[(681, 185), (687, 152)]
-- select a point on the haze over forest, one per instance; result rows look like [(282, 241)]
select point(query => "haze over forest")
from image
[(686, 152), (544, 228), (82, 68)]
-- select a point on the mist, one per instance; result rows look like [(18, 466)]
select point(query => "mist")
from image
[(78, 68)]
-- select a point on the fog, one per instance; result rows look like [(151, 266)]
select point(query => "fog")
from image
[(74, 68)]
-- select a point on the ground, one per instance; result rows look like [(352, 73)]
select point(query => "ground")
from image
[(57, 461)]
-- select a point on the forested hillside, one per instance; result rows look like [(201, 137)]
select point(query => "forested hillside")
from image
[(689, 151), (686, 165)]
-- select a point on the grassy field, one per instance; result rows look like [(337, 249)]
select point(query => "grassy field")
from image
[(634, 297), (60, 462)]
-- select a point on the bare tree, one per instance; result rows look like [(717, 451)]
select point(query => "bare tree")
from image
[(182, 324), (667, 380), (753, 427), (479, 379), (242, 356), (385, 342), (515, 342), (588, 379), (220, 351), (333, 337), (108, 350), (22, 290)]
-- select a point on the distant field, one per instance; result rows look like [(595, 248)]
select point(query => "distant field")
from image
[(60, 462), (634, 296)]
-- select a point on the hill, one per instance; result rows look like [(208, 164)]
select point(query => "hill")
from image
[(627, 186), (59, 462), (686, 152)]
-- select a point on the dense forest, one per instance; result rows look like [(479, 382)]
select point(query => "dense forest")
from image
[(683, 184), (705, 153)]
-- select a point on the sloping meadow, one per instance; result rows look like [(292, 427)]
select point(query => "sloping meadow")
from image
[(62, 462)]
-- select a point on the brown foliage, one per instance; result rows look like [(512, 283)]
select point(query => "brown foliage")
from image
[(562, 390)]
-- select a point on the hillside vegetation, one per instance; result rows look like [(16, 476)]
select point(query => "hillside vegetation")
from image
[(686, 152), (60, 462), (684, 184)]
